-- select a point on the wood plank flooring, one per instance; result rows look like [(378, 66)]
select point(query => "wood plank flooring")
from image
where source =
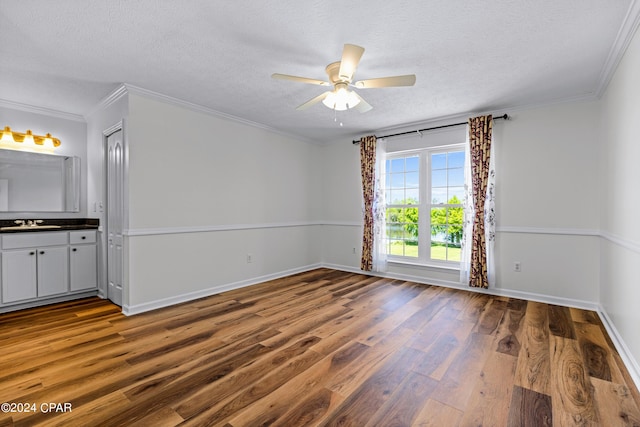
[(321, 348)]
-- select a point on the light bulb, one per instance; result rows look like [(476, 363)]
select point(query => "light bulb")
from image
[(330, 100), (353, 99), (7, 135), (28, 140), (341, 99), (48, 142)]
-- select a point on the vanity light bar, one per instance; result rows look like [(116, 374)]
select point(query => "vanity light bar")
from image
[(28, 138)]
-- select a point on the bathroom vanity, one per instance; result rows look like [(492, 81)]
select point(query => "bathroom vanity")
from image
[(46, 261)]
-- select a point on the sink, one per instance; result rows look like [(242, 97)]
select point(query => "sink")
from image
[(30, 227)]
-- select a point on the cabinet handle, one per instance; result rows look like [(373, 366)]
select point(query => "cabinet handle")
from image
[(83, 237), (74, 249), (41, 252), (32, 253)]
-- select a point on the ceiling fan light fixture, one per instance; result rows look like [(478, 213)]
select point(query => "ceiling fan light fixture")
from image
[(340, 75), (341, 99)]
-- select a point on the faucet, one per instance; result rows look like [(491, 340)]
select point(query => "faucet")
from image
[(28, 223)]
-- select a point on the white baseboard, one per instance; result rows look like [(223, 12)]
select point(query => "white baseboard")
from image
[(621, 346), (568, 302), (130, 310)]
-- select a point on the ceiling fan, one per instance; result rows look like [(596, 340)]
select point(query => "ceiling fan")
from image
[(340, 77)]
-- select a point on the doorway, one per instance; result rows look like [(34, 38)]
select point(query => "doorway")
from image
[(115, 213)]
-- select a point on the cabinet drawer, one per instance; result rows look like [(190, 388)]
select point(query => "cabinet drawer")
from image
[(34, 240), (82, 236)]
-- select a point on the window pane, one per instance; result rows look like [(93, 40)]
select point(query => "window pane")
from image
[(439, 195), (439, 178), (413, 196), (438, 251), (458, 193), (454, 253), (438, 223), (412, 164), (412, 180), (411, 223), (396, 247), (411, 249), (397, 165), (455, 216), (396, 180), (397, 197), (438, 161), (456, 159), (456, 177), (394, 231)]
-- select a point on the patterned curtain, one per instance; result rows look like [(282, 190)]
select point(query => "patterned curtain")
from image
[(477, 267), (372, 158), (367, 172)]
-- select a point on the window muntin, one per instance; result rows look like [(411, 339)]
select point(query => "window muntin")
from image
[(428, 181)]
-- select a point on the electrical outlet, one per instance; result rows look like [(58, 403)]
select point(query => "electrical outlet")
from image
[(517, 266), (249, 258)]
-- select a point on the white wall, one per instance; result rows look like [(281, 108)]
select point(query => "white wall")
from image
[(547, 198), (204, 192), (620, 154), (72, 133)]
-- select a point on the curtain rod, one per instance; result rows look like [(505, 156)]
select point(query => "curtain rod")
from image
[(503, 117)]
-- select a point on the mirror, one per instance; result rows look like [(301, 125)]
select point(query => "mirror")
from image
[(36, 182)]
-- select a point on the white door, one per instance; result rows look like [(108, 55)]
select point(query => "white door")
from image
[(115, 212)]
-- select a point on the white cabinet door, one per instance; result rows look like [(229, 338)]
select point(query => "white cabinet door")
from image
[(83, 262), (19, 278), (53, 271)]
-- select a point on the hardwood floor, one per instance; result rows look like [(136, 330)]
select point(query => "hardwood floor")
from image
[(319, 348)]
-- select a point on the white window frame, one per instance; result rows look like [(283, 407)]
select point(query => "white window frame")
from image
[(424, 206)]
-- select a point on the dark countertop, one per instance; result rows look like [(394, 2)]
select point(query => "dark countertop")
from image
[(64, 223)]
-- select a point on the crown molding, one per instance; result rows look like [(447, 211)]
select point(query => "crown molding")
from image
[(41, 110), (623, 39), (114, 96)]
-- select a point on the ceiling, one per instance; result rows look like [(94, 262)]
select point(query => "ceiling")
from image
[(67, 55)]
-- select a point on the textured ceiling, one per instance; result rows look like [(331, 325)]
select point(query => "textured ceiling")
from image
[(468, 56)]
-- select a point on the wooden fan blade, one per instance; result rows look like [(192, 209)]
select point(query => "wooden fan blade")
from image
[(313, 101), (408, 80), (351, 55), (362, 106), (299, 79)]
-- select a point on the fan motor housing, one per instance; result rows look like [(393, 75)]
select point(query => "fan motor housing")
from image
[(333, 71)]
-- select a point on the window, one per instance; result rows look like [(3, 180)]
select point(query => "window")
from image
[(424, 193)]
